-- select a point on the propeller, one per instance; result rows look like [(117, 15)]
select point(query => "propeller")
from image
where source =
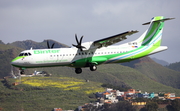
[(49, 45), (79, 46)]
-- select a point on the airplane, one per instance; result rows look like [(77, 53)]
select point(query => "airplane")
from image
[(92, 54)]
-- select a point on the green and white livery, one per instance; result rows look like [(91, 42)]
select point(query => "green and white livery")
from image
[(91, 54)]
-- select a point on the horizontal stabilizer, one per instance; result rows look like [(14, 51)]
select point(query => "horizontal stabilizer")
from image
[(147, 23)]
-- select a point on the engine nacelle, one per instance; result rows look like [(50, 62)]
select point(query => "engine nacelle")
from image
[(88, 46)]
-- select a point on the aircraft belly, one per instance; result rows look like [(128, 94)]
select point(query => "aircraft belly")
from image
[(47, 62), (45, 65), (84, 62), (98, 60)]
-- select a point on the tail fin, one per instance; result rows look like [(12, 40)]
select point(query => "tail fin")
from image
[(153, 35)]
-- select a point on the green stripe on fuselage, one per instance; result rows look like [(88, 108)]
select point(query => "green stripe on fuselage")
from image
[(96, 59), (19, 57), (139, 55)]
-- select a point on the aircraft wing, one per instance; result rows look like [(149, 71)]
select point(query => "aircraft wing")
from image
[(113, 39)]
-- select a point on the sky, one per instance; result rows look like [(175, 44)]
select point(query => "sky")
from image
[(60, 20)]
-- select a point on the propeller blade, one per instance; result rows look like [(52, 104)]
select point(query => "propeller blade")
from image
[(52, 46), (48, 44), (74, 45), (76, 39), (81, 40), (78, 43)]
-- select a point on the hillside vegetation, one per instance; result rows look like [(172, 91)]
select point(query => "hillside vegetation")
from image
[(162, 62), (156, 72), (174, 66), (7, 53), (46, 93), (36, 45), (67, 90), (117, 75)]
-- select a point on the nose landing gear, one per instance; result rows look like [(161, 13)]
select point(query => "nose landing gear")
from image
[(22, 71), (78, 70)]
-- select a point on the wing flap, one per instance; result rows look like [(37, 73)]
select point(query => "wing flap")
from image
[(113, 39)]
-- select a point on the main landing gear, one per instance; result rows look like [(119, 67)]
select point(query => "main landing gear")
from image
[(91, 67)]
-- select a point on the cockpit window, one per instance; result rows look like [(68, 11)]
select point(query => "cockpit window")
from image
[(25, 54), (21, 54), (29, 53)]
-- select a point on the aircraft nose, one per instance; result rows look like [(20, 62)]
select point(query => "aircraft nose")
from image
[(15, 61)]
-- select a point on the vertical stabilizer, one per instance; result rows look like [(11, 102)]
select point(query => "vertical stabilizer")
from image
[(153, 35)]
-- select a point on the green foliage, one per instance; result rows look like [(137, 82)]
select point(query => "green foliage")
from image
[(120, 106), (121, 88), (36, 45), (151, 106), (156, 72), (30, 98), (145, 75), (174, 106), (7, 53), (174, 66)]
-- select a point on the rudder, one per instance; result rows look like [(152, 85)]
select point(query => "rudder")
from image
[(153, 35)]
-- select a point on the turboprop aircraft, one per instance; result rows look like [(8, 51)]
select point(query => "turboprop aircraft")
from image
[(92, 54)]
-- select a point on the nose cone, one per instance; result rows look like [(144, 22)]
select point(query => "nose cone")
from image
[(13, 62), (16, 61)]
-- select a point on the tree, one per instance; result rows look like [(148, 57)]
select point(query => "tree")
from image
[(121, 106), (150, 106), (174, 106)]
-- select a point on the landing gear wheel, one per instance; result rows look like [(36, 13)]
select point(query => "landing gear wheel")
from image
[(93, 68), (78, 70), (22, 71)]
